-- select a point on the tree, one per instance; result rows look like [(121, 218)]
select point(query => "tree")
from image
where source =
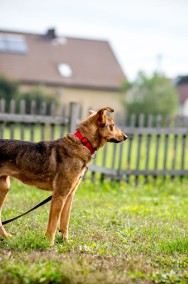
[(151, 95)]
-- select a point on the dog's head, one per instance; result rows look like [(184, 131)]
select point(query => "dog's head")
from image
[(106, 129)]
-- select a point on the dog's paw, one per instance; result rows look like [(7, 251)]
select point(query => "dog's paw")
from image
[(64, 235), (50, 239), (4, 234), (65, 239), (8, 235)]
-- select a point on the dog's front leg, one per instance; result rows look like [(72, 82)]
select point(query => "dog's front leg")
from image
[(63, 193), (65, 214), (56, 207)]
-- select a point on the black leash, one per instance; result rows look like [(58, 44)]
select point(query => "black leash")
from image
[(37, 206)]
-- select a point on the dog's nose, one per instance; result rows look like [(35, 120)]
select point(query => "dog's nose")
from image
[(125, 136)]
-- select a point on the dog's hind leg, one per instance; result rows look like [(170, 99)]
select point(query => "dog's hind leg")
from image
[(4, 188)]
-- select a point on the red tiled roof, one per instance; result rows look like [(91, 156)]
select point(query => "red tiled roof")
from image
[(92, 62)]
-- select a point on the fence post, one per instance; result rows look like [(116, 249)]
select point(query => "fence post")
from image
[(2, 123), (2, 105), (74, 115)]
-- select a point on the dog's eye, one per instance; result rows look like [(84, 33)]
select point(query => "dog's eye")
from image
[(111, 127), (103, 125)]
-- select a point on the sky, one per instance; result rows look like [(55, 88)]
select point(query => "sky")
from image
[(147, 35)]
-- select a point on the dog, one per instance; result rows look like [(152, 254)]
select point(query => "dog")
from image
[(57, 165)]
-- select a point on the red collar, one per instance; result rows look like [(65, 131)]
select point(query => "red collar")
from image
[(85, 141)]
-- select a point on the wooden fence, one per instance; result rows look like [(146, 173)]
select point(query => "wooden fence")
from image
[(151, 151), (34, 127)]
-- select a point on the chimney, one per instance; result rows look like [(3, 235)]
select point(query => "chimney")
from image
[(51, 34)]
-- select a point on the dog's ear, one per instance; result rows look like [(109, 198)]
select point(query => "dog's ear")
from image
[(102, 114), (92, 112)]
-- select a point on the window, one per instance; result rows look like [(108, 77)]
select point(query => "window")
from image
[(13, 44), (65, 70)]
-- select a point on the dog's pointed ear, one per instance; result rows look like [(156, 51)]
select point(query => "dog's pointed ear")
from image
[(92, 112), (102, 114)]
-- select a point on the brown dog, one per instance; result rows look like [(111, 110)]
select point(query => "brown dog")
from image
[(56, 165)]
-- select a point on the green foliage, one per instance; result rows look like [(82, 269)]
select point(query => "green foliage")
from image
[(155, 95), (8, 90), (118, 234), (39, 96)]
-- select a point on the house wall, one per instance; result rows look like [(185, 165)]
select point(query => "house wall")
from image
[(88, 98), (184, 108), (183, 93), (91, 99), (46, 89)]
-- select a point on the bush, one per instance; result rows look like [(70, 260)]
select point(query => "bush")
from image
[(9, 90), (41, 98)]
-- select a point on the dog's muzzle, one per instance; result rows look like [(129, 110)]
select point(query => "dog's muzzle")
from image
[(114, 140)]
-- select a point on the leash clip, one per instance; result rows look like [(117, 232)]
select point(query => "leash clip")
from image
[(93, 156)]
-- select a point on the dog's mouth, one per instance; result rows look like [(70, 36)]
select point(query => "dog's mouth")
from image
[(114, 140)]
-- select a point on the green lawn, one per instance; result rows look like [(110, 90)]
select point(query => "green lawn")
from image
[(30, 132), (118, 233)]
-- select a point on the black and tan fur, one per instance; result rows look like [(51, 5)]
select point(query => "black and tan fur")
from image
[(56, 166)]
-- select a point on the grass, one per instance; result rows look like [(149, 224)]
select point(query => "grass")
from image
[(118, 233), (35, 131)]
